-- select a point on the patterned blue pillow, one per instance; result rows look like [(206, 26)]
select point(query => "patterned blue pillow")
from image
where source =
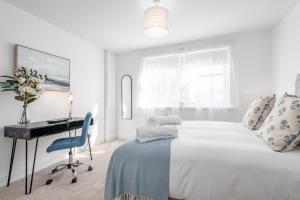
[(257, 112), (281, 129)]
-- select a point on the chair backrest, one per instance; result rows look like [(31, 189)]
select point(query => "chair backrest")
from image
[(85, 127)]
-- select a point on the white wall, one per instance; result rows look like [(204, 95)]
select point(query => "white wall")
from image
[(87, 74), (285, 46), (251, 58), (110, 126)]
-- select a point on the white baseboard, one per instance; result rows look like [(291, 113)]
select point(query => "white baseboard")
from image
[(125, 136), (99, 140), (111, 138)]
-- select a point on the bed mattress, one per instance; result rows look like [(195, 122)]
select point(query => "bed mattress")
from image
[(224, 161)]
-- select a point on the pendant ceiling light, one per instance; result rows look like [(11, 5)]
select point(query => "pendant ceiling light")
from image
[(155, 21)]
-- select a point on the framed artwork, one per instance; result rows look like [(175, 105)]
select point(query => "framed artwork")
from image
[(55, 67)]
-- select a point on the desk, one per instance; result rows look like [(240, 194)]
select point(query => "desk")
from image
[(35, 131)]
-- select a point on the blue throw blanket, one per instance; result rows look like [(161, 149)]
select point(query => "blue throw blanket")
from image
[(139, 171)]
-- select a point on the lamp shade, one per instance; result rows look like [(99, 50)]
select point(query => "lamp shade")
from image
[(155, 22)]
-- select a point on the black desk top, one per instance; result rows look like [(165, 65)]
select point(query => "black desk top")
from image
[(40, 129)]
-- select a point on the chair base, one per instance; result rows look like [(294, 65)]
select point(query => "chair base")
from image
[(71, 166)]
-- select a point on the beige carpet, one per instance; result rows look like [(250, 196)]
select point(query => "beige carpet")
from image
[(90, 185)]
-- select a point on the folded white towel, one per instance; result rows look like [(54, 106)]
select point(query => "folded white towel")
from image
[(164, 120), (150, 133)]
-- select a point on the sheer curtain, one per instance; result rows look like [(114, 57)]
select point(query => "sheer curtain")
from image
[(196, 85), (159, 88)]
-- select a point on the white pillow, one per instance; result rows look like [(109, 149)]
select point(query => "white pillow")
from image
[(257, 112), (281, 129)]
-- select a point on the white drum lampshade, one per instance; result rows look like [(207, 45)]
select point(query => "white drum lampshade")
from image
[(155, 21)]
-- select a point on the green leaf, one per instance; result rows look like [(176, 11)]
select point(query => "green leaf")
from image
[(7, 77), (12, 81), (5, 90), (6, 86), (31, 100), (30, 96), (19, 98)]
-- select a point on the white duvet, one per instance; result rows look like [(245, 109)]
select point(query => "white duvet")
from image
[(225, 161)]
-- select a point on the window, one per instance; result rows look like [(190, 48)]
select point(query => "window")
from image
[(199, 79)]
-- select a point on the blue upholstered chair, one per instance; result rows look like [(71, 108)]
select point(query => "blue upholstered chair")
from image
[(70, 143)]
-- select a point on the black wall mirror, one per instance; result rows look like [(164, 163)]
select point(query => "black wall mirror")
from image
[(126, 97)]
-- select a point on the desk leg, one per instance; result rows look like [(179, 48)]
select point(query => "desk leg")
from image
[(26, 158), (11, 160), (32, 174)]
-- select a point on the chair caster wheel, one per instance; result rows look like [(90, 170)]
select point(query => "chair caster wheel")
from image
[(49, 181), (74, 180), (53, 171), (90, 168)]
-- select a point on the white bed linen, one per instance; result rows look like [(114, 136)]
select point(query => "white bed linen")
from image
[(225, 161)]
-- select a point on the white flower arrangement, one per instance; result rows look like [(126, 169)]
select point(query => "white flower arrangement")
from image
[(27, 84)]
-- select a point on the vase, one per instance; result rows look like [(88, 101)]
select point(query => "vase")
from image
[(24, 118)]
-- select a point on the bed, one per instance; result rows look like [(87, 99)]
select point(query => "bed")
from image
[(223, 160), (218, 161)]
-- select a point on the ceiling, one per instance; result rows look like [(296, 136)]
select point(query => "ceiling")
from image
[(118, 24)]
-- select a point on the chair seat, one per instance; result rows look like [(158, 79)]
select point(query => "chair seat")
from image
[(64, 143)]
